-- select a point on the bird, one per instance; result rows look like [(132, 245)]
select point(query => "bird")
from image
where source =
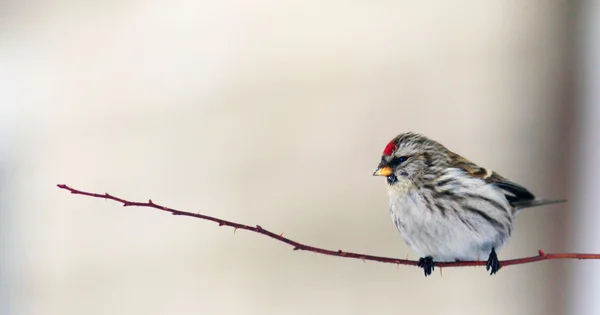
[(446, 207)]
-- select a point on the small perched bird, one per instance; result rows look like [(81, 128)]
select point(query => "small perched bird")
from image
[(446, 207)]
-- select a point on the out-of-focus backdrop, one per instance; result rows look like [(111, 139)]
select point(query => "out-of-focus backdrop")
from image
[(275, 113)]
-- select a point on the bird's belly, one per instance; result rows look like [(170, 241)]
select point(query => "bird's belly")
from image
[(443, 237)]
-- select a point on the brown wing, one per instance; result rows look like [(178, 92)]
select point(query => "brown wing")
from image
[(514, 192)]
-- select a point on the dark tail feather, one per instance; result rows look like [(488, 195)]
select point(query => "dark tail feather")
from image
[(535, 203)]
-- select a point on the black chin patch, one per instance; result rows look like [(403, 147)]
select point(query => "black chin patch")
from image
[(392, 179)]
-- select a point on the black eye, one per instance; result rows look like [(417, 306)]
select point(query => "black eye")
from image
[(397, 160)]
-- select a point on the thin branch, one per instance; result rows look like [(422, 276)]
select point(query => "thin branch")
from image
[(339, 253)]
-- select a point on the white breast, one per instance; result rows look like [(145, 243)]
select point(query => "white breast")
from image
[(444, 237)]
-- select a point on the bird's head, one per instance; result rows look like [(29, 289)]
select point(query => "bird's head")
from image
[(410, 156)]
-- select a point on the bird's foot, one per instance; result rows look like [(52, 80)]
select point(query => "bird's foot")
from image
[(427, 264), (492, 263)]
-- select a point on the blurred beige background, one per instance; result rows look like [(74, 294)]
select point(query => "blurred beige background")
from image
[(271, 113)]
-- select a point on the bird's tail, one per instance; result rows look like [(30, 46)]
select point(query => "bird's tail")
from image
[(535, 203)]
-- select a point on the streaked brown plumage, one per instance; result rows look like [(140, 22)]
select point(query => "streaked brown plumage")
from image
[(446, 207)]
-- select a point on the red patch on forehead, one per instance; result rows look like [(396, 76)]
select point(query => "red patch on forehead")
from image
[(389, 148)]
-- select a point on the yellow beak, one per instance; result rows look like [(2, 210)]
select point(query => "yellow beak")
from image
[(383, 171)]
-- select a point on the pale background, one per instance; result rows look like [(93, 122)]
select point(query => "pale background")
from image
[(275, 113)]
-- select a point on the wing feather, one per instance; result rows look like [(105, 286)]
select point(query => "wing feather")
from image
[(513, 192)]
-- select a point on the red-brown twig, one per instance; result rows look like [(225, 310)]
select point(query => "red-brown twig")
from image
[(339, 253)]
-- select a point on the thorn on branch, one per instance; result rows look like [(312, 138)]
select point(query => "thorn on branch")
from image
[(541, 253), (258, 228)]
